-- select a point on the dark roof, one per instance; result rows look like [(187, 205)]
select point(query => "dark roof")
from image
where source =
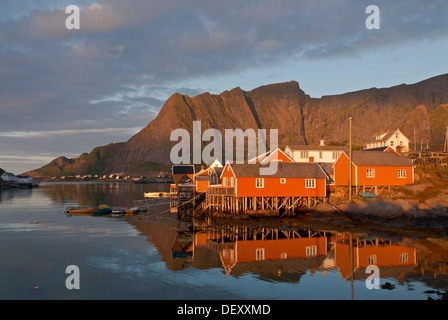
[(296, 147), (380, 158), (377, 149), (183, 169), (327, 167), (435, 149), (284, 170)]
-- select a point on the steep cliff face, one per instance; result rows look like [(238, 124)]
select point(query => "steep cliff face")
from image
[(299, 119), (277, 106)]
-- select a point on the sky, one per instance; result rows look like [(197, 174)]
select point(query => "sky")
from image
[(65, 91)]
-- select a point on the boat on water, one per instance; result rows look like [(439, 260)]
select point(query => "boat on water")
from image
[(156, 194), (102, 210), (81, 210), (118, 212), (131, 211)]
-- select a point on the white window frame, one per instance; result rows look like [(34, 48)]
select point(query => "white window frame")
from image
[(371, 260), (259, 254), (370, 173), (259, 183), (282, 180), (310, 183), (311, 251), (336, 154), (224, 181), (404, 257), (304, 154), (402, 173)]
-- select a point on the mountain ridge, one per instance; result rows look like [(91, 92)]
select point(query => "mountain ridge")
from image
[(300, 119)]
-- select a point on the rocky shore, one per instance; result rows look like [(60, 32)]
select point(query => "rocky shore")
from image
[(420, 206)]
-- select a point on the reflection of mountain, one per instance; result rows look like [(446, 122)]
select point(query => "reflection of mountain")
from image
[(93, 194)]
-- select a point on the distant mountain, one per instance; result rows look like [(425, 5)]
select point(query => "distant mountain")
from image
[(299, 118)]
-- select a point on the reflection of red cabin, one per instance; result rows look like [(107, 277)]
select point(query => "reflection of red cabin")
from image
[(289, 180), (374, 168), (248, 251), (382, 255)]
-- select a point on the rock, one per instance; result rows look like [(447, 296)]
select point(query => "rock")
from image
[(388, 286)]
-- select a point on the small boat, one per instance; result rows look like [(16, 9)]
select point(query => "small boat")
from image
[(102, 210), (365, 195), (131, 211), (156, 194), (81, 210), (118, 212)]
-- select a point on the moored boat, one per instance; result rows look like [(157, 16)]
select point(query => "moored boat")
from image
[(102, 210), (81, 210), (131, 211)]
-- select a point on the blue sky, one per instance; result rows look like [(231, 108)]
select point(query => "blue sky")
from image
[(64, 92)]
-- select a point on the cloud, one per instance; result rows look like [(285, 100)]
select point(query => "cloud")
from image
[(130, 55)]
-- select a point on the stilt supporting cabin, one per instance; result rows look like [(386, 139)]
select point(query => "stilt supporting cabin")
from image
[(223, 199)]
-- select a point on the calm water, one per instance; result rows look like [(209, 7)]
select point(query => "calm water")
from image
[(157, 257)]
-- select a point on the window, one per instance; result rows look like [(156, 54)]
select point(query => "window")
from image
[(311, 251), (321, 154), (404, 257), (396, 135), (401, 143), (371, 259), (391, 143), (370, 173), (303, 154), (231, 181), (259, 183), (401, 173), (284, 255), (282, 180), (310, 183), (336, 155), (259, 254), (224, 181)]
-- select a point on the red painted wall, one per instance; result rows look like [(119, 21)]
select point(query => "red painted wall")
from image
[(294, 187)]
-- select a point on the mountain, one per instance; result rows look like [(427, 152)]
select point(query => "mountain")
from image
[(299, 118)]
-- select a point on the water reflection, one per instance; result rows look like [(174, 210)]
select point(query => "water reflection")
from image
[(97, 193), (7, 195), (287, 254)]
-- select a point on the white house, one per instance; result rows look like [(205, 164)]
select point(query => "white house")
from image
[(320, 153), (24, 179), (392, 138), (9, 177)]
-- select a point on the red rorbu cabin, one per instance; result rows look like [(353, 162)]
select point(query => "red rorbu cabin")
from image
[(373, 169), (291, 185)]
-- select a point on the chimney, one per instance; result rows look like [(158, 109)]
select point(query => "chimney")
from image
[(321, 143)]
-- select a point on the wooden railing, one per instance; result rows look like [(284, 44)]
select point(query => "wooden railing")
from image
[(221, 191)]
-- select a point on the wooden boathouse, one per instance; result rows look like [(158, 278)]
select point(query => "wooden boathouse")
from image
[(244, 190)]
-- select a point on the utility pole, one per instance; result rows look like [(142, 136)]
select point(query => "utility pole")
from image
[(350, 163), (415, 146), (445, 145)]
